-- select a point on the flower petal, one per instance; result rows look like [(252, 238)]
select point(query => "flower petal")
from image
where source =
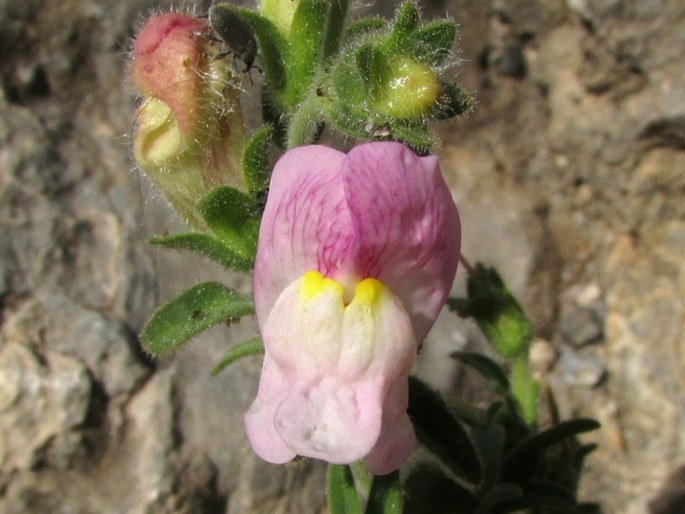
[(407, 226), (330, 372), (305, 224)]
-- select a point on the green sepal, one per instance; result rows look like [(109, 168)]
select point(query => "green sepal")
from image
[(233, 217), (247, 348), (372, 66), (256, 169), (417, 137), (273, 50), (208, 245), (193, 311), (496, 312), (525, 389), (429, 490), (432, 43), (406, 22), (523, 459), (342, 493), (441, 432), (487, 368), (453, 101), (385, 496)]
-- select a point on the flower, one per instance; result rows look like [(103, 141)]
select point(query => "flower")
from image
[(356, 255), (188, 135)]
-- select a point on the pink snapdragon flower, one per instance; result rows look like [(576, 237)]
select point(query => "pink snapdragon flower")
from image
[(357, 253)]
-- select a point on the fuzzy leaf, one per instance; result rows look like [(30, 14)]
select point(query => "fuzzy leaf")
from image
[(232, 216), (193, 311), (342, 494), (489, 369), (307, 32), (256, 169), (441, 433), (385, 496), (208, 245), (247, 348), (521, 460)]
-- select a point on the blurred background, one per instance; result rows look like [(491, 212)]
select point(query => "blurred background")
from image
[(570, 178)]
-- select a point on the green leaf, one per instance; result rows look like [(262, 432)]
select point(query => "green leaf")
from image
[(232, 216), (385, 496), (306, 38), (522, 458), (273, 50), (488, 368), (193, 311), (247, 348), (256, 169), (406, 22), (432, 43), (430, 491), (342, 494), (205, 244), (441, 433)]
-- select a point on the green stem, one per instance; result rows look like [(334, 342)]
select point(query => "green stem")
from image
[(525, 389)]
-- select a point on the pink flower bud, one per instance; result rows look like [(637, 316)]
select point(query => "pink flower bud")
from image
[(167, 57)]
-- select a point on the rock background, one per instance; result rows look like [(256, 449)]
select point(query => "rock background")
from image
[(570, 177)]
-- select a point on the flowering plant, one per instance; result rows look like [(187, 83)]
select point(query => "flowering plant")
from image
[(353, 254)]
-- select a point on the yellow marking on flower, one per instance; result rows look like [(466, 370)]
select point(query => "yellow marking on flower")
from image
[(368, 292), (314, 283)]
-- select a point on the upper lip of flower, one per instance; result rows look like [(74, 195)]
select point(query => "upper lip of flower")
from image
[(379, 211)]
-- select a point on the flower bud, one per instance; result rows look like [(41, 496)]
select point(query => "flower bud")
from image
[(188, 135), (410, 90)]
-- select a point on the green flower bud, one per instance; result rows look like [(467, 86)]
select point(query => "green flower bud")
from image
[(496, 312), (409, 90)]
